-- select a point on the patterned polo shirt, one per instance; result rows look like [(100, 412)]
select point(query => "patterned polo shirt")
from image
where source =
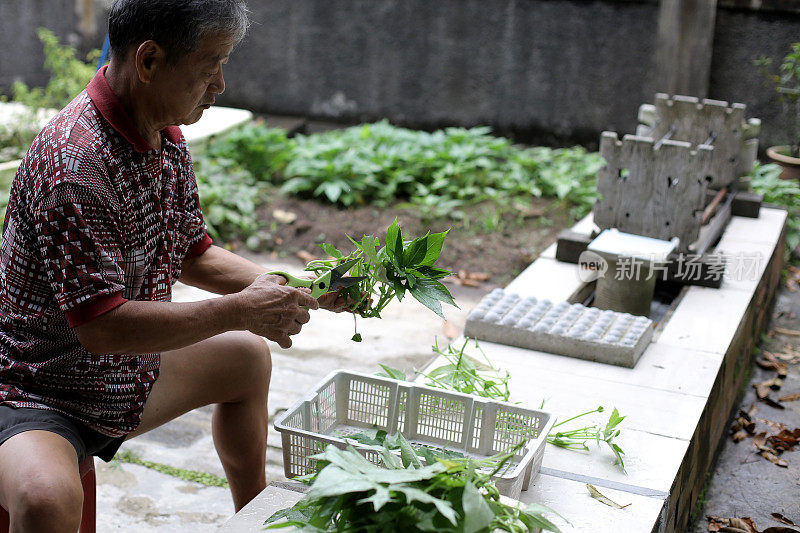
[(95, 218)]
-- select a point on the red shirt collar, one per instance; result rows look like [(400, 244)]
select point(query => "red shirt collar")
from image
[(110, 107)]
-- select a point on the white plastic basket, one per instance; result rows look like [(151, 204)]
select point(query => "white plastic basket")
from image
[(350, 402)]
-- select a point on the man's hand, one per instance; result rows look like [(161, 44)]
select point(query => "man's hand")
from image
[(336, 302), (274, 310)]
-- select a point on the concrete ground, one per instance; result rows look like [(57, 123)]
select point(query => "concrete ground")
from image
[(744, 483), (135, 498)]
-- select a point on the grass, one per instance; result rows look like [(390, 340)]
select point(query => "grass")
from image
[(194, 476)]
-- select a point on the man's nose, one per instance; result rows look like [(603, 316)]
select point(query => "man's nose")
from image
[(218, 85)]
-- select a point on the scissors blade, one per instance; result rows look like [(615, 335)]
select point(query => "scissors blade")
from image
[(343, 283), (338, 281)]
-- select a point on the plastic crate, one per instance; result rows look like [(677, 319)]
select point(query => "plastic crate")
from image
[(349, 402)]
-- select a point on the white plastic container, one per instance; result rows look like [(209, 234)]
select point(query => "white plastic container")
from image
[(350, 402)]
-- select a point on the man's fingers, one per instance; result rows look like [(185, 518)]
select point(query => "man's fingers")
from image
[(283, 340), (303, 316), (304, 299)]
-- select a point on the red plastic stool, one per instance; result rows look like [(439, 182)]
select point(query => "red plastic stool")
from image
[(88, 514)]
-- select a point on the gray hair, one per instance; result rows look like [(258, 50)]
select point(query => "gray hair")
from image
[(178, 26)]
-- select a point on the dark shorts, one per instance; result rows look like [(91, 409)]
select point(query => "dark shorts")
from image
[(86, 441)]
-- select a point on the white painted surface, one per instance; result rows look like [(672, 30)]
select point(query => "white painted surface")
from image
[(706, 319), (764, 229), (547, 278), (215, 120)]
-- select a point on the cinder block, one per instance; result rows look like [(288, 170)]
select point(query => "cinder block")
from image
[(572, 330)]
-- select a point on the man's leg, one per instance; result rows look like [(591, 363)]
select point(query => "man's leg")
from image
[(39, 482), (231, 370)]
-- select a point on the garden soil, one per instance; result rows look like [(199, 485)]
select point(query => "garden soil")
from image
[(497, 241)]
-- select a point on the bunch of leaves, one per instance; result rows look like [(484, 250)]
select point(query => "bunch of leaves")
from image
[(351, 494), (228, 196), (462, 373), (379, 437), (786, 193), (262, 151), (390, 271), (68, 75), (577, 438)]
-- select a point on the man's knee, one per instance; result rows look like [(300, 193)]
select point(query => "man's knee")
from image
[(46, 500), (253, 358)]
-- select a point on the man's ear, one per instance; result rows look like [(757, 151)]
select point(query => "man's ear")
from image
[(149, 57)]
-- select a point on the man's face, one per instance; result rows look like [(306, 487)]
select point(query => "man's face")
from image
[(189, 87)]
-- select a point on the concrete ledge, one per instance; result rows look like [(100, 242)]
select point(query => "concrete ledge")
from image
[(676, 399)]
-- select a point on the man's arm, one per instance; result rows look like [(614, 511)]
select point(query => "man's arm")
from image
[(264, 307), (222, 272)]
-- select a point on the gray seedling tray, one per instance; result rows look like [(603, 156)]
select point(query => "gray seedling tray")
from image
[(567, 329), (349, 402)]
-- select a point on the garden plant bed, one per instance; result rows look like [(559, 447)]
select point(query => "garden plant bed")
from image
[(497, 241)]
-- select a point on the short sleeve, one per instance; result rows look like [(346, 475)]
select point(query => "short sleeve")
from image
[(81, 250), (193, 228)]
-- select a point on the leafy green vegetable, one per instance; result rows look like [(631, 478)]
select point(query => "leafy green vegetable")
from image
[(228, 196), (439, 172), (465, 374), (390, 271), (576, 439), (351, 494), (781, 192)]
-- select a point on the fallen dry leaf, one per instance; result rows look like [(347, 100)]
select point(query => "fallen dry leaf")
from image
[(774, 459), (594, 493), (740, 435), (731, 525), (782, 519), (479, 276), (785, 440), (785, 331), (790, 397), (771, 362)]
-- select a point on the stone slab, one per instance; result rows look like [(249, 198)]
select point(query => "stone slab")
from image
[(661, 367), (584, 514), (251, 517), (547, 279), (745, 262), (706, 319), (764, 229)]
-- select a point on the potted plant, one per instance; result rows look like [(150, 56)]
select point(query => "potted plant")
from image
[(786, 84)]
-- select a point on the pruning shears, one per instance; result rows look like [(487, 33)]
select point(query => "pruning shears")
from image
[(332, 280)]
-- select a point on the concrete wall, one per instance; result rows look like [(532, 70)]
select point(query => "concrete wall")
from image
[(550, 71), (81, 23)]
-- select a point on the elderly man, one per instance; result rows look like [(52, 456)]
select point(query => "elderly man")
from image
[(103, 219)]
